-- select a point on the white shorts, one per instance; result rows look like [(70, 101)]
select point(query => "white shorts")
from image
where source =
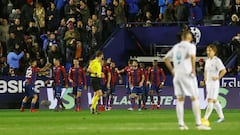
[(212, 91), (185, 85)]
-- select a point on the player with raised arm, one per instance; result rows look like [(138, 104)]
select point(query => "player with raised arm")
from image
[(214, 70), (157, 79), (183, 56), (77, 77), (59, 79), (136, 80), (31, 76)]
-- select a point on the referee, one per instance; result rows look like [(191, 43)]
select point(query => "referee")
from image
[(95, 70)]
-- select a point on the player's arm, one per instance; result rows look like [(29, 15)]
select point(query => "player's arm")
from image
[(221, 74), (142, 78), (168, 64), (65, 76), (193, 62), (48, 65), (70, 76), (84, 79), (108, 78)]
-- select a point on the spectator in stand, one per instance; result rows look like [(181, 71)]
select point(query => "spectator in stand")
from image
[(234, 20), (54, 53), (32, 30), (133, 10), (52, 17), (93, 40), (60, 7), (182, 12), (236, 46), (4, 31), (236, 8), (97, 23), (18, 29), (27, 13), (84, 11), (16, 14), (101, 9), (200, 66), (169, 15), (11, 41), (163, 4), (196, 15), (13, 60), (60, 37), (119, 13), (70, 10), (3, 62), (148, 17), (108, 24), (71, 37), (39, 16)]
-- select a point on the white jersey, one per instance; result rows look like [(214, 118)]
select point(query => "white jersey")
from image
[(180, 54), (212, 69), (184, 84)]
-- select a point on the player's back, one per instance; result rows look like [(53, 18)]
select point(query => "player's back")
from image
[(181, 57)]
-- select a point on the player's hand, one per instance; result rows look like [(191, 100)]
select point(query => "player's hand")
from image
[(160, 86), (202, 83), (120, 81), (71, 81), (141, 84), (215, 78), (85, 87)]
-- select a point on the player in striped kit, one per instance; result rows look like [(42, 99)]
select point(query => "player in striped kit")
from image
[(157, 78), (111, 92), (214, 70), (145, 85), (77, 76), (136, 80), (31, 76), (59, 79)]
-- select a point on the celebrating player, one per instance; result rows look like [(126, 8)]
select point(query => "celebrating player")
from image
[(157, 79), (77, 77), (183, 69), (95, 70), (111, 91), (31, 76), (214, 70), (136, 80), (59, 78)]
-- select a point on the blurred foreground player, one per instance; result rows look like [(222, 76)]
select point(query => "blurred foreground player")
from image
[(183, 56)]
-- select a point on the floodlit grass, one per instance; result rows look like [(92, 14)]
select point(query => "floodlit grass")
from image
[(115, 122)]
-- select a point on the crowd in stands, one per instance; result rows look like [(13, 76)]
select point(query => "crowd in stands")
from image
[(68, 29)]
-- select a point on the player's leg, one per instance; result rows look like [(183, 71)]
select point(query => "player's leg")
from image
[(78, 98), (74, 92), (145, 97), (24, 101), (133, 96), (139, 94), (33, 103), (58, 90), (159, 98), (196, 109), (210, 98), (219, 111), (111, 96), (151, 91)]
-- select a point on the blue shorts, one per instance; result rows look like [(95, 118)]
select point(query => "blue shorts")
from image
[(156, 88), (29, 90), (137, 90), (58, 89), (77, 89), (145, 90)]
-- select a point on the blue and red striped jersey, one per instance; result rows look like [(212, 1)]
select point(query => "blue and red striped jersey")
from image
[(59, 75), (31, 75), (78, 75), (157, 76), (135, 76)]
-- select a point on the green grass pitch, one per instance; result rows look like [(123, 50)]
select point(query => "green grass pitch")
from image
[(115, 122)]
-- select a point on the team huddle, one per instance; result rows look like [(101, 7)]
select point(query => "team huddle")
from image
[(141, 82)]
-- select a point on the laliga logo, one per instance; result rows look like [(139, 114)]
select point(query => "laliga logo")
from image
[(230, 82), (196, 33)]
